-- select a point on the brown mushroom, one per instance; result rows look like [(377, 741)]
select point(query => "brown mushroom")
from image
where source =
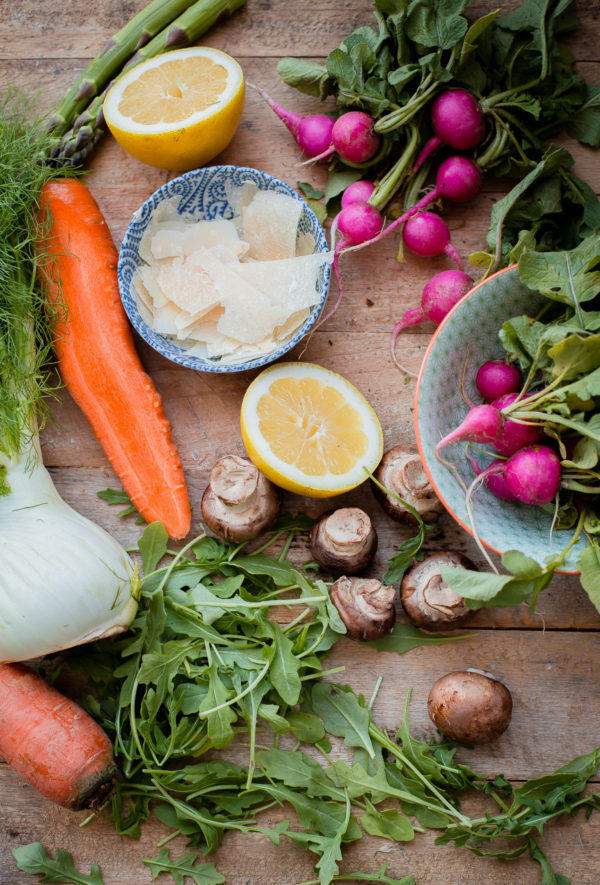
[(239, 503), (365, 605), (343, 541), (427, 599), (401, 472), (470, 707)]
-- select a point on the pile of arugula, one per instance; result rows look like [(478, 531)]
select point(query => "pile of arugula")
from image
[(204, 663), (525, 82)]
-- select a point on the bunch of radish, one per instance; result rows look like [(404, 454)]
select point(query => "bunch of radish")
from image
[(458, 123), (527, 470)]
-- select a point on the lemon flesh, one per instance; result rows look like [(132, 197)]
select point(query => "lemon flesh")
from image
[(178, 110), (309, 430)]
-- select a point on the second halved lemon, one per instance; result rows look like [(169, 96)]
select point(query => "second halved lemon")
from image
[(178, 110), (309, 430)]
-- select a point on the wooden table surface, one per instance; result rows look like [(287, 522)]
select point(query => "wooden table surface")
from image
[(550, 659)]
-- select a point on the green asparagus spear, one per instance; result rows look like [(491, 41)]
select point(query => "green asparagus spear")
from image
[(78, 142), (135, 34)]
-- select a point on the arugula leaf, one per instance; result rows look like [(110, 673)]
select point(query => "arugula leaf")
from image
[(405, 637), (358, 782), (342, 714), (389, 824), (483, 589), (219, 714), (153, 545), (549, 877), (113, 496), (361, 876), (589, 566), (305, 726), (297, 769), (285, 666), (309, 191), (182, 867), (34, 859)]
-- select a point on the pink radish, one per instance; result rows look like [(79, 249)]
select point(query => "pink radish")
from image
[(357, 222), (427, 235), (312, 133), (457, 121), (439, 296), (533, 475), (514, 435), (494, 481), (482, 424), (458, 179), (497, 377), (353, 138), (357, 192)]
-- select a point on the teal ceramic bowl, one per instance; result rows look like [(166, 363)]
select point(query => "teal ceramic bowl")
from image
[(468, 337)]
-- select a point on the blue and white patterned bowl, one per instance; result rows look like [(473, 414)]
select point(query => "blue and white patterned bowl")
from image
[(202, 195), (468, 336)]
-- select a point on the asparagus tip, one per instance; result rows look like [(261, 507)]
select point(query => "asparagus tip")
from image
[(176, 37), (86, 90)]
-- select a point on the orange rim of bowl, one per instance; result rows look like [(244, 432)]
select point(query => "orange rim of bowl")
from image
[(430, 346)]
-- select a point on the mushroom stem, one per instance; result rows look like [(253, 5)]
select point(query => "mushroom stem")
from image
[(401, 475), (239, 503), (343, 541), (427, 600), (366, 606)]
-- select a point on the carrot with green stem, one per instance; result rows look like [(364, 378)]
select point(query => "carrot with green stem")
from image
[(98, 360), (51, 742)]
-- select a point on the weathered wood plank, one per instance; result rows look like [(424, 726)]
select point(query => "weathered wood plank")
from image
[(30, 29)]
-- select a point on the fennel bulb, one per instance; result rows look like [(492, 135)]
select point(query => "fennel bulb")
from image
[(63, 579)]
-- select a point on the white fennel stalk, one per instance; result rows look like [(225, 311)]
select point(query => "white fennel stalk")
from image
[(63, 579)]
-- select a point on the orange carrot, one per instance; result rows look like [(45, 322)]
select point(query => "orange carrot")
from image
[(51, 742), (98, 361)]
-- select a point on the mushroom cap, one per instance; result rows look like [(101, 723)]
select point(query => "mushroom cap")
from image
[(366, 606), (427, 600), (401, 471), (469, 707), (239, 503), (343, 540)]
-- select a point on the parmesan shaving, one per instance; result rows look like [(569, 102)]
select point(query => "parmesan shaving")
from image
[(229, 289)]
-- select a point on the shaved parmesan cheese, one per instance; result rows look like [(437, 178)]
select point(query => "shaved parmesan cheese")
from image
[(270, 224), (290, 282), (229, 290), (170, 242)]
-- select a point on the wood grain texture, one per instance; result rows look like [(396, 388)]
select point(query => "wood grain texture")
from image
[(550, 659)]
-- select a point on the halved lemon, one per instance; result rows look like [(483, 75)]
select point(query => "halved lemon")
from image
[(309, 430), (178, 110)]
